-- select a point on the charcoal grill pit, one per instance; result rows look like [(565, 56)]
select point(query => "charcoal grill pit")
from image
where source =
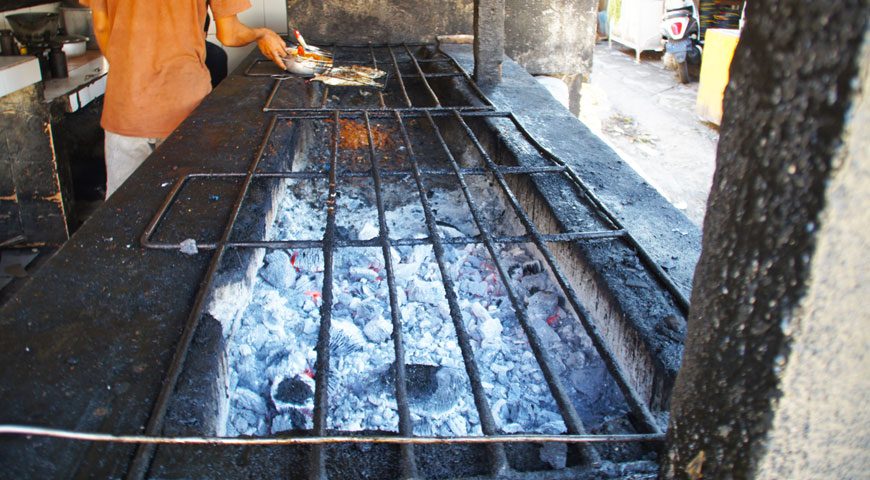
[(219, 182), (404, 128)]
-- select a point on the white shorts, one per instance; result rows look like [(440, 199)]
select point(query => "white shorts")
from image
[(123, 156)]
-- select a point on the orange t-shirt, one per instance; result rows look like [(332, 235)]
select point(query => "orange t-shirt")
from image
[(156, 54)]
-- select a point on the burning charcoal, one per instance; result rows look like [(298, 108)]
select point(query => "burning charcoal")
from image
[(293, 419), (311, 326), (247, 422), (246, 400), (425, 292), (425, 341), (404, 271), (368, 232), (477, 289), (535, 283), (542, 306), (555, 454), (458, 425), (556, 427), (532, 267), (278, 271), (490, 328), (448, 231), (345, 338), (512, 428), (342, 233), (431, 389), (367, 310), (281, 423), (419, 254), (248, 370), (273, 322), (444, 310), (549, 337), (295, 391), (378, 330), (309, 260), (364, 273)]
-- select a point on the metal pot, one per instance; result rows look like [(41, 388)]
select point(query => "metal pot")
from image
[(79, 21), (308, 65), (33, 27), (73, 45)]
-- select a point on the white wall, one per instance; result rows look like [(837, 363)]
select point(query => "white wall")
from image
[(48, 7), (263, 13)]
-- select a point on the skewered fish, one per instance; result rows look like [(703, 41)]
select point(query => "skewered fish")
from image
[(353, 75)]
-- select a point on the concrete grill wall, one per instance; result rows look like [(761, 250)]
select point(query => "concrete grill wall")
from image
[(544, 36), (774, 382)]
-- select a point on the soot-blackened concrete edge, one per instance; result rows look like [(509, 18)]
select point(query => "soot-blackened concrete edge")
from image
[(86, 343), (665, 232), (630, 313), (774, 382)]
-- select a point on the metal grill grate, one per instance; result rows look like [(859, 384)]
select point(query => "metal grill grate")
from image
[(335, 172), (405, 76)]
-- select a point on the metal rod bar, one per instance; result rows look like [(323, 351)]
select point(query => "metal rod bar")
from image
[(259, 60), (399, 78), (375, 109), (423, 77), (145, 239), (324, 98), (637, 405), (569, 414), (321, 375), (498, 458), (402, 173), (251, 66), (408, 463), (375, 64), (443, 75), (441, 59), (390, 173), (272, 94), (401, 440), (416, 112), (400, 242), (142, 460), (665, 279)]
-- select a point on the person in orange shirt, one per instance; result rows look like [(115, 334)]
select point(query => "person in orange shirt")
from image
[(157, 74)]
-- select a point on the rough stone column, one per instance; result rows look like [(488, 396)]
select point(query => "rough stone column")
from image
[(774, 382), (488, 41)]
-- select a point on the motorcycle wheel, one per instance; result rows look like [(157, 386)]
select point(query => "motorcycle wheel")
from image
[(683, 68)]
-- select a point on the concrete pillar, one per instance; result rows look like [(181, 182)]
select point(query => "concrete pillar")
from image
[(774, 382), (488, 41)]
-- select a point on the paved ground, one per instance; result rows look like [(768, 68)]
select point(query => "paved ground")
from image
[(649, 118)]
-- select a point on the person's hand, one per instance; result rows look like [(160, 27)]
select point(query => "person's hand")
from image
[(272, 46)]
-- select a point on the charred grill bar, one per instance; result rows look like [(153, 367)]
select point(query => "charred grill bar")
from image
[(435, 112)]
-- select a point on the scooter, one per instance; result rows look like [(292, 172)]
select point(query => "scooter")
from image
[(681, 33)]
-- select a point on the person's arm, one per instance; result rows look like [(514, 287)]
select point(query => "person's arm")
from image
[(233, 33), (102, 29)]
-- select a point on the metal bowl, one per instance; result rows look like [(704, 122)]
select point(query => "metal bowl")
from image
[(73, 45), (305, 65), (32, 27)]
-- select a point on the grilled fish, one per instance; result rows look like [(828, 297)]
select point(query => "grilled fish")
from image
[(353, 75)]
